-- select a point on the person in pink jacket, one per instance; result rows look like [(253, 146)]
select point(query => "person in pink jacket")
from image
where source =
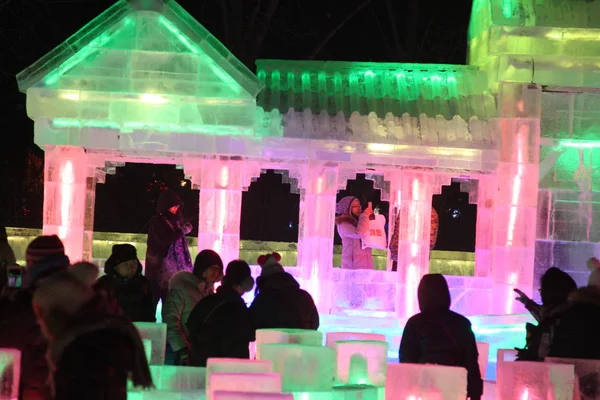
[(353, 226)]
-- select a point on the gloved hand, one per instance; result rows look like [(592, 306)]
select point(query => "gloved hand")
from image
[(187, 228)]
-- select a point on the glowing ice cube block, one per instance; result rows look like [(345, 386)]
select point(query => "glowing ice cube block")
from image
[(506, 355), (483, 349), (220, 365), (243, 382), (425, 381), (297, 336), (224, 395), (303, 368), (176, 378), (535, 380), (332, 337), (10, 373), (157, 334), (361, 362), (350, 392), (147, 348), (586, 376)]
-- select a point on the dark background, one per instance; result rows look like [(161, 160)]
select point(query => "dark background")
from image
[(412, 31)]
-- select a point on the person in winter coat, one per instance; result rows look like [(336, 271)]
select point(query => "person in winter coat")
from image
[(167, 249), (19, 329), (353, 226), (221, 325), (279, 301), (7, 256), (86, 272), (124, 281), (186, 289), (438, 335), (394, 240), (556, 286), (577, 330), (91, 353)]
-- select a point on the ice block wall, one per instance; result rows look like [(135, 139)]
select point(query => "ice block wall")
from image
[(65, 192), (319, 183), (515, 206), (568, 228)]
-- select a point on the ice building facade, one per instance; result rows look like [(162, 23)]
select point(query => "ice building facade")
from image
[(145, 82)]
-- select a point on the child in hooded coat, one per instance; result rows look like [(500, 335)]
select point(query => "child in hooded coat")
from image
[(440, 336), (124, 281), (353, 226)]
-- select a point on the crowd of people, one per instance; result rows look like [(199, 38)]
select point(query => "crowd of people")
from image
[(77, 339)]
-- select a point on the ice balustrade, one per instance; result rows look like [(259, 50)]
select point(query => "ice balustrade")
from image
[(586, 385), (535, 380), (425, 381), (157, 334), (244, 382)]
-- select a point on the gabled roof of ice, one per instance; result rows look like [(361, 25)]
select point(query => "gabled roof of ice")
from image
[(382, 88), (143, 46)]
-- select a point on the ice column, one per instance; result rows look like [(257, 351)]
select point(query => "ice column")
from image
[(65, 199), (220, 181), (318, 182), (515, 209), (486, 190), (415, 191)]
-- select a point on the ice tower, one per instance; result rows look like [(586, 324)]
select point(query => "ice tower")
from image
[(145, 82)]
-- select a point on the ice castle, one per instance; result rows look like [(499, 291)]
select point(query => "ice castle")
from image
[(145, 82)]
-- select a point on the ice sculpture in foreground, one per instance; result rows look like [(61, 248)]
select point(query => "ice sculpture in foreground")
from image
[(535, 380), (425, 381), (243, 382)]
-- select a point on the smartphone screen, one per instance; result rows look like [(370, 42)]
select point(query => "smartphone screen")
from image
[(15, 276)]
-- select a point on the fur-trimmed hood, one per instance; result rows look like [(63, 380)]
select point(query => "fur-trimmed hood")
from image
[(345, 219), (586, 295)]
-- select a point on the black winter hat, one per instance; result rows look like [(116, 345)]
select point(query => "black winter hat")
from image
[(236, 273), (205, 259), (120, 254)]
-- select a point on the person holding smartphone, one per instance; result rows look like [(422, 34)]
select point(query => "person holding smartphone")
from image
[(352, 223)]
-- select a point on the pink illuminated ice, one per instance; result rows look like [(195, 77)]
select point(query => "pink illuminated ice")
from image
[(586, 376), (243, 382), (425, 381), (157, 334), (332, 337), (220, 365), (483, 349), (361, 362), (223, 395), (535, 380), (303, 368), (296, 336), (10, 373)]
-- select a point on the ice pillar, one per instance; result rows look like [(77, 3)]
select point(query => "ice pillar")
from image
[(66, 199), (486, 190), (416, 189), (513, 243), (317, 223), (220, 181)]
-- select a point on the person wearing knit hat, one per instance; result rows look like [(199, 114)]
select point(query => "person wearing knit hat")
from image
[(353, 226), (220, 325), (123, 281), (45, 257), (186, 289)]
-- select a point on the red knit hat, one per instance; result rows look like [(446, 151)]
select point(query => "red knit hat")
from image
[(43, 247)]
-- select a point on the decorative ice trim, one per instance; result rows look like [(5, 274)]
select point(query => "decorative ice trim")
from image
[(421, 130)]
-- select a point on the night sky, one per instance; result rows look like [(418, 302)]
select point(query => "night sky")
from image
[(409, 31)]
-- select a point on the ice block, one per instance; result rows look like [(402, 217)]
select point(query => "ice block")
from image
[(10, 373), (535, 380), (176, 378), (587, 384), (243, 382), (483, 349), (297, 336), (148, 348), (220, 365), (303, 368), (350, 392), (225, 395), (425, 381), (157, 333), (332, 337), (361, 362)]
